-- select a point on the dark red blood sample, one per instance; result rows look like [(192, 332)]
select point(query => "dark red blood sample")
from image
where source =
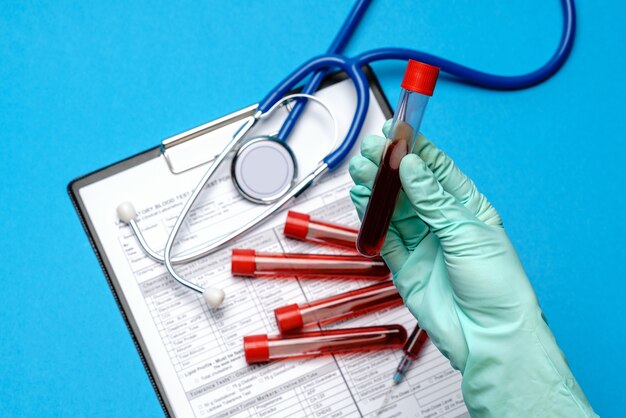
[(384, 193)]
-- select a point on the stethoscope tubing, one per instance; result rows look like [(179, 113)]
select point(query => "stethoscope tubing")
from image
[(459, 71), (482, 79), (341, 40), (318, 66), (350, 67)]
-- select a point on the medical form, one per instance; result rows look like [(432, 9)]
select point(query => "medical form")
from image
[(195, 354)]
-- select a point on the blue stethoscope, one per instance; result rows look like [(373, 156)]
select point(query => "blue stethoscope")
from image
[(317, 68)]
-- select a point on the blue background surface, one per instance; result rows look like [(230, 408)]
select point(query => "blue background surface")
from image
[(83, 85)]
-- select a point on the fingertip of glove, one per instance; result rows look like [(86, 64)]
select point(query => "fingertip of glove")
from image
[(360, 197), (356, 165), (371, 139), (411, 164), (387, 127), (353, 165), (359, 191), (372, 145)]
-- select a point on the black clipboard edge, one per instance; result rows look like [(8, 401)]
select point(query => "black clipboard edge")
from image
[(73, 189)]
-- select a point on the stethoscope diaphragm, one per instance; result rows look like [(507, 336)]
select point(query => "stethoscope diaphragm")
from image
[(264, 169)]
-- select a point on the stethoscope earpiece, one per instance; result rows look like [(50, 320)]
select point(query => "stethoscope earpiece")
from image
[(213, 297), (126, 212)]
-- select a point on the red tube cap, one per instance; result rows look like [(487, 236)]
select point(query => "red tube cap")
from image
[(256, 348), (288, 318), (242, 263), (420, 78), (297, 225)]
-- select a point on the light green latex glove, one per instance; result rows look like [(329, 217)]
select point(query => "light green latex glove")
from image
[(460, 276)]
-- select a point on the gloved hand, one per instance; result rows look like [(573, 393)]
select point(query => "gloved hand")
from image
[(460, 276)]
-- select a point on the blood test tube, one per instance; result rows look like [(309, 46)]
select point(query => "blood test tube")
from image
[(260, 348), (300, 226), (252, 264), (411, 349), (335, 308), (417, 86)]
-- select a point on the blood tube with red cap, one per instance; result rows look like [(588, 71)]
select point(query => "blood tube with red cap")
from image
[(411, 349), (335, 308), (249, 263), (417, 86), (302, 227), (261, 348)]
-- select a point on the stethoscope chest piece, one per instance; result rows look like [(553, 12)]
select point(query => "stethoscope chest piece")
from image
[(264, 169)]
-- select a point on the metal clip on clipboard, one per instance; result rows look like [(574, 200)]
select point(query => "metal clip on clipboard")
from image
[(203, 143)]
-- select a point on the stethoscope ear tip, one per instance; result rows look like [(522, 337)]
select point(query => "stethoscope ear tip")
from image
[(213, 297), (126, 212)]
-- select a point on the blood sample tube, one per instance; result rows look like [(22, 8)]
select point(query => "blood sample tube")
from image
[(417, 86), (411, 349), (260, 348), (300, 226), (335, 308), (252, 264)]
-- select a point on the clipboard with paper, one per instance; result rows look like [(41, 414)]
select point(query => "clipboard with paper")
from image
[(193, 354)]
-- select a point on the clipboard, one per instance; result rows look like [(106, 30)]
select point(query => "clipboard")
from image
[(194, 355), (180, 153)]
